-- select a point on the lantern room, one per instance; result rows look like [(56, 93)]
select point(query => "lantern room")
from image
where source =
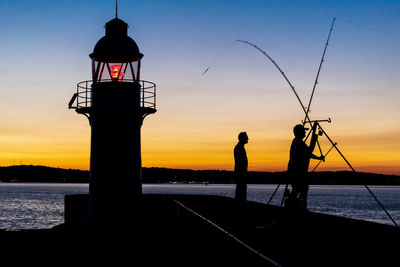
[(116, 56), (116, 60)]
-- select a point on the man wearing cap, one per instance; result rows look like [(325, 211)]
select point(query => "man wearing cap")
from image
[(241, 165), (300, 155)]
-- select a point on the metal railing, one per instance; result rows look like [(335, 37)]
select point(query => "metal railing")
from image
[(83, 96)]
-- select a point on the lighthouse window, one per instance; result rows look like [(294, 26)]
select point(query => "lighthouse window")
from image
[(117, 72), (97, 70)]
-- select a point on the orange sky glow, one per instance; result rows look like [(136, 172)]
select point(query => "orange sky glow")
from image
[(199, 116)]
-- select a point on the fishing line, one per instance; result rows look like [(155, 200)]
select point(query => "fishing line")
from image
[(369, 28), (219, 57)]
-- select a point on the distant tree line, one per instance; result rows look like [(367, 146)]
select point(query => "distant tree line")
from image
[(43, 174)]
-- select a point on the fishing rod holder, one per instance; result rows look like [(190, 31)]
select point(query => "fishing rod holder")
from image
[(311, 122), (320, 131), (308, 121)]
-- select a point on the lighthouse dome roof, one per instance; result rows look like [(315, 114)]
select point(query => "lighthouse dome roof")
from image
[(116, 45)]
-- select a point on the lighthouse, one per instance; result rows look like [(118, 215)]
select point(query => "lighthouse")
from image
[(115, 101)]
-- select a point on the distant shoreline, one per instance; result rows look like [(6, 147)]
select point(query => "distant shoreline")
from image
[(36, 174)]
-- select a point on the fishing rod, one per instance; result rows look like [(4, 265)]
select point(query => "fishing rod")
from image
[(319, 70), (307, 118), (365, 185), (281, 71)]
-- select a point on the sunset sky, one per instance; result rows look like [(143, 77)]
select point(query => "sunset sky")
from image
[(44, 54)]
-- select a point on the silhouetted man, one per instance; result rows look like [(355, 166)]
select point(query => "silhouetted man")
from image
[(241, 165), (300, 155)]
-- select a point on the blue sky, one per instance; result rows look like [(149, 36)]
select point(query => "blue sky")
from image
[(44, 53)]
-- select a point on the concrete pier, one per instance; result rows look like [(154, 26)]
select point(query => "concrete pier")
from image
[(190, 230)]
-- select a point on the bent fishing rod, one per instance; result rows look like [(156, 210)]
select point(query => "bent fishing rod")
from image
[(307, 119)]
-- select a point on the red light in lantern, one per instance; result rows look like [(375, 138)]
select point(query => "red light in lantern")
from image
[(115, 72)]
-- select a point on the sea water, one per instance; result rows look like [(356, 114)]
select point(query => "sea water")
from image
[(41, 206)]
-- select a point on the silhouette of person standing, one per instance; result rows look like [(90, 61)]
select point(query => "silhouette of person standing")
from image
[(300, 155), (241, 165)]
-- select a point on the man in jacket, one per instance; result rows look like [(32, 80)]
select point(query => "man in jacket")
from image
[(241, 165), (300, 155)]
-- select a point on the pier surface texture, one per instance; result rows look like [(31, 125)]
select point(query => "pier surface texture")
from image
[(194, 230)]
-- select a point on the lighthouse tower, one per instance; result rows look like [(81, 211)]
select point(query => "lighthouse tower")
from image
[(116, 102)]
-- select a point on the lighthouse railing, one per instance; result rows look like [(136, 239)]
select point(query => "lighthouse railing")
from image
[(82, 99), (84, 94)]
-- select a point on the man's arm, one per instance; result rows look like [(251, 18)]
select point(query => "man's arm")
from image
[(313, 142), (314, 138), (317, 157)]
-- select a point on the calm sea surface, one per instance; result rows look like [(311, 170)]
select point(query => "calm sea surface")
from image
[(39, 206)]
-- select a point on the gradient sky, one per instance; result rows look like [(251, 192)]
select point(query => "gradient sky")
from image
[(44, 54)]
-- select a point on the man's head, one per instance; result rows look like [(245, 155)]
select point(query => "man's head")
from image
[(299, 131), (243, 138)]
